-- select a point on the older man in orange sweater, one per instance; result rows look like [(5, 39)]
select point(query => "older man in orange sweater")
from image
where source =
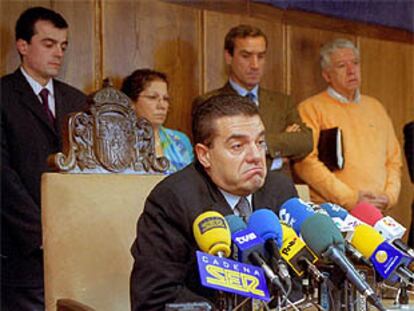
[(372, 169)]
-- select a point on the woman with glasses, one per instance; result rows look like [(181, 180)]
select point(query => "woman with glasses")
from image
[(148, 90)]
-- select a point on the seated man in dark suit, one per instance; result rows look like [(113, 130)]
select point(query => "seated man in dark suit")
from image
[(230, 148), (33, 107)]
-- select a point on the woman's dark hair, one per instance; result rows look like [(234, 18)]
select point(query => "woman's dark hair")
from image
[(137, 81)]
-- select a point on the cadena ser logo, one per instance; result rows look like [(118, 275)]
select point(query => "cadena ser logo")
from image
[(233, 279), (211, 223), (232, 276)]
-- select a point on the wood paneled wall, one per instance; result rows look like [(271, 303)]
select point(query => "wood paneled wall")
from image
[(185, 40)]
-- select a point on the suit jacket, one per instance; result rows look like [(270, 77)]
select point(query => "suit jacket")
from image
[(165, 268), (409, 147), (27, 139), (277, 112)]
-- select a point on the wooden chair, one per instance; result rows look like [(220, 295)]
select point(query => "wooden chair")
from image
[(89, 224)]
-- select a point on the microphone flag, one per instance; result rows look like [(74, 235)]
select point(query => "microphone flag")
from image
[(232, 276)]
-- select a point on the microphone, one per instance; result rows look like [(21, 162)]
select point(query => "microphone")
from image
[(388, 261), (387, 226), (212, 234), (346, 223), (367, 213), (404, 247), (356, 255), (390, 229), (327, 242), (299, 257), (336, 211), (248, 247), (294, 212), (267, 225)]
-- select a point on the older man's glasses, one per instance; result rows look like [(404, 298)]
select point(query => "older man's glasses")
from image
[(156, 98)]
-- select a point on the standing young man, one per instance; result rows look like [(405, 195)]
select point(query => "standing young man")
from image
[(33, 105)]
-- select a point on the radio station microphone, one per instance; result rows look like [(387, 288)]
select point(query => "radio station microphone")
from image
[(212, 234), (336, 211), (248, 247), (387, 226), (294, 212), (299, 257), (404, 247), (388, 261), (328, 243), (267, 225), (356, 255)]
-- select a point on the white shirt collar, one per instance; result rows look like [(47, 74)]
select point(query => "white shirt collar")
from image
[(232, 199), (36, 86), (342, 99)]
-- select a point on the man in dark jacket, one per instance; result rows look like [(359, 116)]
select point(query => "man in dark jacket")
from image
[(409, 155), (33, 106), (230, 147), (288, 138)]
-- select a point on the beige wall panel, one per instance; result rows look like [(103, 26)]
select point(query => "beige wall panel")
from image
[(78, 69), (158, 35), (304, 70), (216, 26), (388, 74)]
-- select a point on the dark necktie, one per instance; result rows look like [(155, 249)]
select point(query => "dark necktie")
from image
[(44, 95), (243, 206), (250, 96)]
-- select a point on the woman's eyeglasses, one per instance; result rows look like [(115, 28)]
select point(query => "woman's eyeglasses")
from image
[(156, 97)]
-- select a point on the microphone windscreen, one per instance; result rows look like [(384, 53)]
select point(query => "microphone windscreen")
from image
[(212, 233), (334, 210), (267, 225), (235, 223), (366, 240), (320, 232), (294, 212), (288, 232), (367, 213)]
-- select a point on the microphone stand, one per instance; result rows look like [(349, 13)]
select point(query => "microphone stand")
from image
[(402, 294)]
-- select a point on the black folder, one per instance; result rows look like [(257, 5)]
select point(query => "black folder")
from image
[(330, 148)]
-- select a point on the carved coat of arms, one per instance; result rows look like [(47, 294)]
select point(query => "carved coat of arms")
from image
[(108, 138)]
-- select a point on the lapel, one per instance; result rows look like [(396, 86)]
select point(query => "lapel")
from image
[(261, 199), (264, 99), (228, 89), (29, 99), (61, 108), (219, 203)]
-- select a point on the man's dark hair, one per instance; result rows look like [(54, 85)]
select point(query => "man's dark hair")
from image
[(137, 81), (224, 105), (241, 31), (25, 25)]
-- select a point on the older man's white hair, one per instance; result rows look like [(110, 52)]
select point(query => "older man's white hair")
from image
[(332, 46)]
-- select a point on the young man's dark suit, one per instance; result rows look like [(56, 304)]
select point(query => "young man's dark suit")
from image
[(27, 138), (277, 112), (165, 268)]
